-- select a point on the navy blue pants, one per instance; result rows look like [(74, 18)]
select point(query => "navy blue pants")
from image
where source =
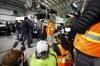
[(17, 34), (26, 36)]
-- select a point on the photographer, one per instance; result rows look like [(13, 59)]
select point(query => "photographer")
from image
[(14, 58)]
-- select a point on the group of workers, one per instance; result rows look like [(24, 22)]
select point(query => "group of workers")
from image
[(86, 43)]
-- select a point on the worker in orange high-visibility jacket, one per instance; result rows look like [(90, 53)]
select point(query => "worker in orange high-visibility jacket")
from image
[(88, 45), (50, 32), (62, 49), (87, 40)]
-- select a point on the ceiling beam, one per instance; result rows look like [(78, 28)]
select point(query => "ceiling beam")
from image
[(50, 2), (16, 3), (44, 2), (59, 3), (54, 6), (64, 9)]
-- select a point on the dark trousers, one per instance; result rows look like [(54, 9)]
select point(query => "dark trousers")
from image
[(17, 34), (72, 48), (85, 60), (39, 33), (31, 36), (26, 36)]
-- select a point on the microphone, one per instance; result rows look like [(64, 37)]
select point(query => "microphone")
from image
[(15, 44)]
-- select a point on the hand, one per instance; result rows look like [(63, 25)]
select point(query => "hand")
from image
[(71, 16), (81, 12), (23, 56), (66, 33), (42, 32)]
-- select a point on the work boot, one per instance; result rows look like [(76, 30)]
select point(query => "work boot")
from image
[(30, 46), (22, 43)]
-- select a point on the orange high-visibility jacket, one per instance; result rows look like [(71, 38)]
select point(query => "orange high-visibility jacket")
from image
[(89, 43), (50, 28), (65, 58)]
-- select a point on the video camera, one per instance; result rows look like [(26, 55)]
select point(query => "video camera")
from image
[(75, 10), (22, 49)]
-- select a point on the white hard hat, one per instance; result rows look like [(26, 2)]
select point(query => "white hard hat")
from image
[(42, 46)]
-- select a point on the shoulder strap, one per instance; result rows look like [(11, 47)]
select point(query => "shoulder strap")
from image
[(63, 52), (55, 58)]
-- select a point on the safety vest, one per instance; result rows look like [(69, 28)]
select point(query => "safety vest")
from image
[(50, 29), (65, 58), (89, 43)]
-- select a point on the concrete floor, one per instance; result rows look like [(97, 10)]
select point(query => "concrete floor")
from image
[(6, 42)]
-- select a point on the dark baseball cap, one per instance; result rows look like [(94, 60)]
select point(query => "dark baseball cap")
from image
[(61, 36)]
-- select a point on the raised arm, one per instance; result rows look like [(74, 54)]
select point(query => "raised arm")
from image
[(90, 16)]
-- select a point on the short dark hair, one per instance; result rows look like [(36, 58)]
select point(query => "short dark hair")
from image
[(61, 37), (25, 18), (38, 19)]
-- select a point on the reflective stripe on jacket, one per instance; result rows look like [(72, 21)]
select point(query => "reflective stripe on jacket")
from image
[(89, 43), (65, 58)]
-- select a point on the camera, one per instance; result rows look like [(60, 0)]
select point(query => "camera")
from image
[(18, 56), (23, 48), (73, 7)]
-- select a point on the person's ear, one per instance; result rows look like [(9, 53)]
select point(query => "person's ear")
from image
[(37, 56)]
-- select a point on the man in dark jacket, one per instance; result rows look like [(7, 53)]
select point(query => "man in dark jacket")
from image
[(7, 28), (26, 32), (87, 40), (31, 25)]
